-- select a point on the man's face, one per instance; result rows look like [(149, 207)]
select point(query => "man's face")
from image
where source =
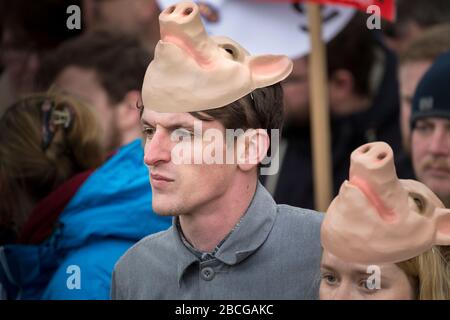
[(431, 155), (84, 85), (409, 75), (182, 188), (296, 91)]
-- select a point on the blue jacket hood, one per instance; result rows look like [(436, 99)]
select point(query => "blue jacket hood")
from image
[(113, 204)]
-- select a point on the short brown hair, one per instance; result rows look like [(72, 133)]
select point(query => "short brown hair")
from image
[(429, 45), (262, 109), (119, 60)]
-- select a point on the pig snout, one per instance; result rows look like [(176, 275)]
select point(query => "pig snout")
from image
[(181, 22), (373, 160), (181, 13), (372, 170), (181, 25)]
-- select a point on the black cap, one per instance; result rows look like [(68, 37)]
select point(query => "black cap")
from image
[(432, 96)]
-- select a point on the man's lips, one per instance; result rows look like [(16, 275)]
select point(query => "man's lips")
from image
[(159, 177), (438, 171)]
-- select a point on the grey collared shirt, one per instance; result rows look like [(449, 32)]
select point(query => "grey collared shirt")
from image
[(273, 253)]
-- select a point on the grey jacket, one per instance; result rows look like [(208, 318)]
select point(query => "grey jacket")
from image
[(273, 253)]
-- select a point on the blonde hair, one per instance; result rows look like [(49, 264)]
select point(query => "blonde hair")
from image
[(31, 164), (429, 273)]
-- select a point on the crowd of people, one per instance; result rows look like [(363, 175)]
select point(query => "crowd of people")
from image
[(88, 179)]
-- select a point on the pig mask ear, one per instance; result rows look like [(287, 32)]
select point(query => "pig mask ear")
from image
[(442, 226), (269, 69)]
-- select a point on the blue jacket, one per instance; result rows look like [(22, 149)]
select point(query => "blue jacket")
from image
[(109, 213)]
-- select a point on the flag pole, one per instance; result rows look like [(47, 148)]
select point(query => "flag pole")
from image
[(320, 118)]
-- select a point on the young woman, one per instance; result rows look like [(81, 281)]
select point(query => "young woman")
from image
[(45, 140), (72, 214), (425, 277), (377, 217)]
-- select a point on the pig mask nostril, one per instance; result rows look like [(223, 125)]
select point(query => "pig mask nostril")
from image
[(171, 9), (381, 156), (187, 11), (366, 149)]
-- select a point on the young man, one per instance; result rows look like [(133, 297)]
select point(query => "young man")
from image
[(430, 125), (229, 240)]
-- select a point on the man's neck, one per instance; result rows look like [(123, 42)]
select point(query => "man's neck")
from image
[(205, 228)]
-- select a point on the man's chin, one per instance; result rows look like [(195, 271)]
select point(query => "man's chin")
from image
[(165, 212)]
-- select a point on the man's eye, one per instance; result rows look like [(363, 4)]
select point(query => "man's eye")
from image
[(148, 132), (329, 278), (367, 286), (180, 132), (424, 128)]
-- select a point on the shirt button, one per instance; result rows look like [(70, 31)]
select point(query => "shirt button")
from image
[(207, 273)]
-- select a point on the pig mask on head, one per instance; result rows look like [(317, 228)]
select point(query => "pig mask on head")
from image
[(193, 72), (377, 218)]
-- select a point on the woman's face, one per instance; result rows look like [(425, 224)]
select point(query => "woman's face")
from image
[(341, 280)]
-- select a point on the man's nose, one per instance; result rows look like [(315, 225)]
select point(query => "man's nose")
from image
[(439, 143), (158, 148)]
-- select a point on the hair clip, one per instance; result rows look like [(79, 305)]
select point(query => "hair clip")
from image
[(52, 118), (61, 117)]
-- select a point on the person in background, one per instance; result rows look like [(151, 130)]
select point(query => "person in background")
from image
[(105, 70), (69, 209), (413, 18), (138, 18), (29, 29), (364, 107), (430, 129), (414, 62)]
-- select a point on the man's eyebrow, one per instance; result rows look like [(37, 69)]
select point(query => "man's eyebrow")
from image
[(360, 272), (328, 267), (173, 125), (145, 122)]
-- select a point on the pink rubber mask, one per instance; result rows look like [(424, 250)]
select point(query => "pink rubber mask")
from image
[(192, 71), (378, 218)]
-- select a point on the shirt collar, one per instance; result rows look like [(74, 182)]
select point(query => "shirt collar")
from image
[(248, 235)]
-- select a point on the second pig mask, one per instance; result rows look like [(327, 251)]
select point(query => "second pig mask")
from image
[(378, 218), (194, 72)]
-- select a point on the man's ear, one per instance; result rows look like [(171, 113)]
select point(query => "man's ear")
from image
[(252, 148), (128, 116), (442, 226), (342, 91)]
